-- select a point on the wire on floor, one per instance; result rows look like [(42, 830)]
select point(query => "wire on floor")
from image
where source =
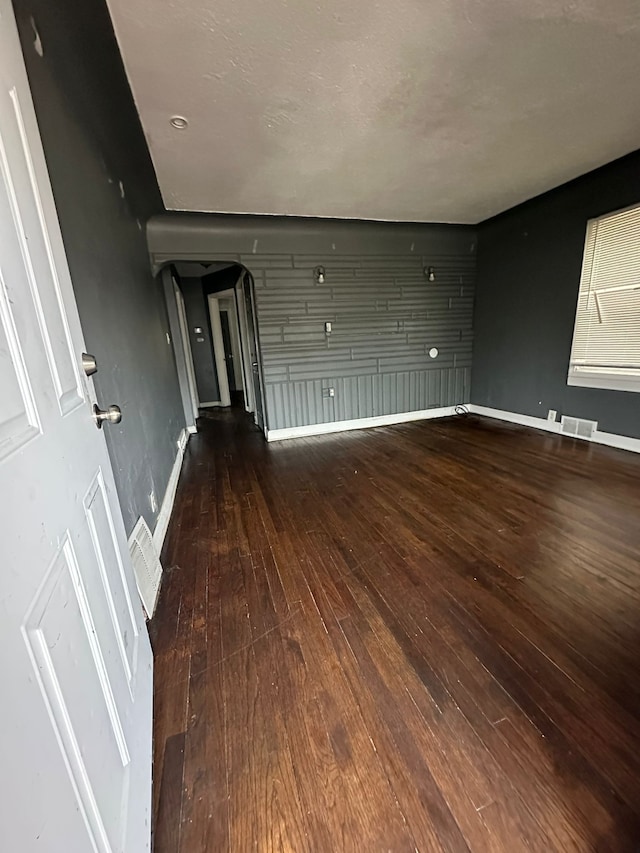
[(461, 410)]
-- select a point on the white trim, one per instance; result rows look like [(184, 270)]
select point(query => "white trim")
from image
[(603, 380), (162, 523), (186, 346), (218, 350), (192, 429), (210, 405), (622, 442), (359, 423), (243, 329), (260, 415), (514, 418), (228, 306)]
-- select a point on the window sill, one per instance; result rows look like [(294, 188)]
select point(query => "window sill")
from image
[(605, 383)]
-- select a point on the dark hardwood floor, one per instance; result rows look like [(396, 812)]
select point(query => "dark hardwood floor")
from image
[(421, 637)]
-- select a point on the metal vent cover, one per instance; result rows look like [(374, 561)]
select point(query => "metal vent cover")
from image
[(578, 427), (146, 565)]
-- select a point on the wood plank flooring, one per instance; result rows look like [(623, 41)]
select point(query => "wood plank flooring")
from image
[(421, 637)]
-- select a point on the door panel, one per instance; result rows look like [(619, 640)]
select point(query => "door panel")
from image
[(114, 597), (18, 417), (74, 652), (20, 183), (69, 665)]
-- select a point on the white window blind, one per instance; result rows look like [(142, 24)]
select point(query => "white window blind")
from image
[(606, 337)]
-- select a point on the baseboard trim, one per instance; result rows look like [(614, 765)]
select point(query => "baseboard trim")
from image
[(610, 439), (359, 423), (622, 442), (192, 429), (162, 524), (515, 418)]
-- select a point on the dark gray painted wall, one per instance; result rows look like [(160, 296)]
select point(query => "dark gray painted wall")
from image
[(529, 266), (105, 188), (197, 310), (385, 314)]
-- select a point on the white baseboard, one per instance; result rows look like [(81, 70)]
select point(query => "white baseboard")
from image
[(213, 405), (192, 429), (515, 418), (164, 515), (359, 423), (623, 442)]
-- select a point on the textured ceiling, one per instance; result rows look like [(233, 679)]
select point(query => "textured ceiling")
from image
[(425, 110)]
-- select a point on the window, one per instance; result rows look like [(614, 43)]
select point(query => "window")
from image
[(606, 337)]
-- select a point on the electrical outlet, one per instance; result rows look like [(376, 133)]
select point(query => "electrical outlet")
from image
[(153, 501), (328, 392), (552, 416)]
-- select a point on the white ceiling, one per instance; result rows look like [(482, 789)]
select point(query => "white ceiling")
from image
[(425, 110)]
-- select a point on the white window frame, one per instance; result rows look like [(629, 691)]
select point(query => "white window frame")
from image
[(581, 373)]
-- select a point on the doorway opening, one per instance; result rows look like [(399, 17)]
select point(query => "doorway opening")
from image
[(216, 337)]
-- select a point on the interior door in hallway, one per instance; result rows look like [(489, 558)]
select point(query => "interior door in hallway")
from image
[(75, 658), (249, 300)]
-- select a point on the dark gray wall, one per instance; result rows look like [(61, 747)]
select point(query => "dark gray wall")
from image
[(385, 314), (197, 310), (105, 188), (529, 266)]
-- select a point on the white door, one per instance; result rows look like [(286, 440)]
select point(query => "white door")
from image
[(182, 346), (75, 659)]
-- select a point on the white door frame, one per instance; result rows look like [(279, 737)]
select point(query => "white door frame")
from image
[(228, 307), (260, 413), (186, 346), (243, 328), (218, 350)]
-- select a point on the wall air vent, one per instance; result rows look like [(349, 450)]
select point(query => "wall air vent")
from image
[(578, 427), (146, 565)]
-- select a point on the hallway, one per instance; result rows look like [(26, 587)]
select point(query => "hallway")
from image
[(421, 637)]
